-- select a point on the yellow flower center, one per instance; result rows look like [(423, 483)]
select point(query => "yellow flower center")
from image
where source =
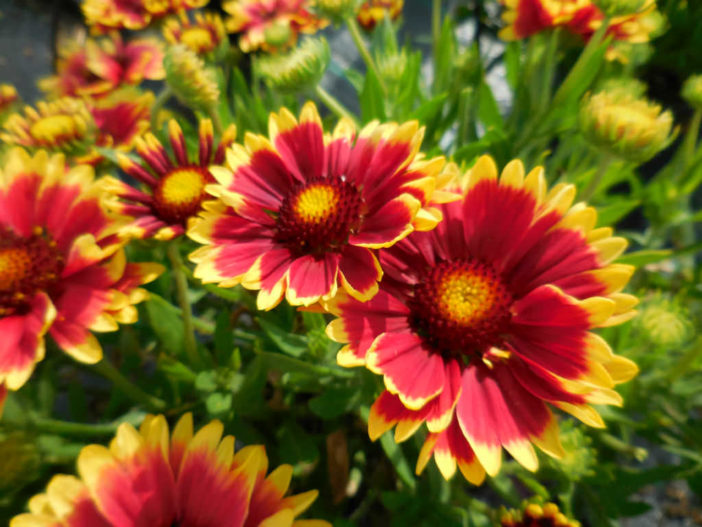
[(179, 194), (464, 297), (15, 264), (54, 128), (198, 39), (316, 203)]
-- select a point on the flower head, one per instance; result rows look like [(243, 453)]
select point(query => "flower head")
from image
[(335, 10), (692, 91), (95, 67), (191, 81), (532, 514), (298, 69), (151, 477), (62, 269), (176, 184), (204, 35), (372, 12), (132, 14), (626, 126), (300, 213), (270, 25), (121, 117), (8, 99), (64, 125), (484, 320)]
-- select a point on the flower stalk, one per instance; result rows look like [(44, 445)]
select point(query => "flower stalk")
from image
[(355, 32), (107, 370)]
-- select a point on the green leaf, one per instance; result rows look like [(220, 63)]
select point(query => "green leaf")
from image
[(611, 214), (372, 99), (646, 256), (488, 111), (296, 445), (512, 58), (444, 58), (335, 402), (206, 381), (175, 369), (287, 342), (166, 322), (218, 403), (430, 109), (285, 364)]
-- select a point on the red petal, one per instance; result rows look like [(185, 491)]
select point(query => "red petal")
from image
[(311, 278), (361, 271)]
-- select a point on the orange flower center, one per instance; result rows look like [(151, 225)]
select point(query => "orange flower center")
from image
[(54, 129), (460, 307), (318, 216), (198, 39), (27, 266), (179, 194)]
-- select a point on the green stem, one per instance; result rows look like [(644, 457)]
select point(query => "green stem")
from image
[(333, 104), (690, 142), (549, 68), (596, 178), (685, 362), (620, 446), (160, 101), (436, 25), (64, 428), (181, 283), (216, 121), (107, 370), (355, 31)]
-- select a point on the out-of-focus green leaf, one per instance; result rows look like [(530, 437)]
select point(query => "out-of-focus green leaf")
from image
[(372, 99), (488, 111), (646, 256), (296, 445), (287, 342), (166, 322), (612, 213), (335, 401)]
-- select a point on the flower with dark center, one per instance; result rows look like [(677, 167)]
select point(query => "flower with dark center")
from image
[(175, 184), (184, 479), (484, 320), (535, 515), (300, 214), (62, 269)]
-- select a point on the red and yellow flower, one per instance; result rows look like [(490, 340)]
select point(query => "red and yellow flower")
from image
[(372, 12), (270, 24), (176, 184), (300, 214), (104, 15), (94, 67), (579, 17), (122, 117), (484, 320), (64, 126), (8, 98), (533, 514), (203, 35), (146, 477), (62, 269)]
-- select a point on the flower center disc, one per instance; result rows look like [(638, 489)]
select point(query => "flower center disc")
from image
[(198, 39), (27, 266), (460, 307), (318, 217), (54, 129), (180, 193)]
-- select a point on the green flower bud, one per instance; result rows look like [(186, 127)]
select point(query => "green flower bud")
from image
[(392, 67), (278, 34), (193, 83), (692, 91), (623, 125), (298, 69), (665, 323), (335, 10), (613, 8)]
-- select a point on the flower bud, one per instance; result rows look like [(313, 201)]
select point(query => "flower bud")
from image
[(614, 8), (536, 514), (692, 91), (665, 323), (298, 69), (631, 128), (278, 34), (336, 10), (193, 83)]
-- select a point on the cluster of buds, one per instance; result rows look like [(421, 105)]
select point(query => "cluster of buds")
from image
[(625, 126)]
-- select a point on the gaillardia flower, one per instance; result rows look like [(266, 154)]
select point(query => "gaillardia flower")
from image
[(62, 269), (300, 214), (484, 320), (176, 184), (270, 24), (372, 12), (189, 479), (204, 35), (94, 67), (624, 125), (533, 515), (132, 14), (121, 117), (64, 126)]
